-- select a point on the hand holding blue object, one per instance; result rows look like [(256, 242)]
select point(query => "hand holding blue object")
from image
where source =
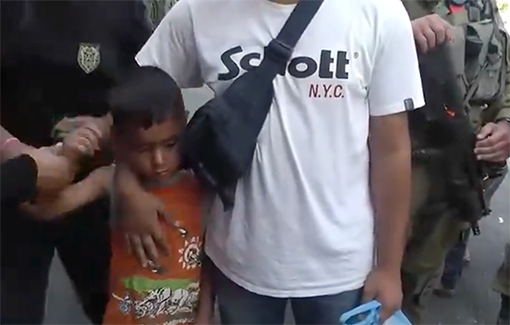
[(368, 314)]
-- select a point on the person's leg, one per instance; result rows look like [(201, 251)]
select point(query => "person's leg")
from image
[(239, 306), (324, 309), (501, 284), (26, 254), (453, 265), (504, 311), (84, 248), (423, 261)]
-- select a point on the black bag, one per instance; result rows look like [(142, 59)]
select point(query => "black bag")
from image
[(220, 140)]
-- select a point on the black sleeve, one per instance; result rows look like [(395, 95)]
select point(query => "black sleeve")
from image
[(139, 30), (19, 180)]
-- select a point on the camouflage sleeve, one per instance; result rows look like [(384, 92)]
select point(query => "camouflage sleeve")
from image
[(501, 108)]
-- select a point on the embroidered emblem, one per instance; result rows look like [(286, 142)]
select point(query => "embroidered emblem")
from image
[(89, 57)]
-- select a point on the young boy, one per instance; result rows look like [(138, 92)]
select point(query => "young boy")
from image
[(148, 117)]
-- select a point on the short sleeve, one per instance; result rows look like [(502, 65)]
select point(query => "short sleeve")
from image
[(172, 47), (395, 74)]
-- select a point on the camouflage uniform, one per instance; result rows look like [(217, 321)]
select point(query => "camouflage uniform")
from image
[(157, 9), (426, 251)]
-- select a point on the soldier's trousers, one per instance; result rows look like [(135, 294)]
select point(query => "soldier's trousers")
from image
[(426, 249), (423, 262), (501, 284), (422, 266)]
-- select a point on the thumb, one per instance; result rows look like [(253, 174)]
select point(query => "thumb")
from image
[(162, 212), (485, 131), (58, 149), (369, 293)]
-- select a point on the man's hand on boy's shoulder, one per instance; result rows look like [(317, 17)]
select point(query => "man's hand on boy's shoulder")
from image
[(139, 211)]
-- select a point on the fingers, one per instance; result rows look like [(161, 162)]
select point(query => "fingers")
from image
[(369, 293), (150, 248), (160, 242), (430, 36), (89, 136), (144, 248), (431, 31), (486, 131), (84, 141), (128, 244), (495, 153), (138, 249), (493, 144), (386, 312)]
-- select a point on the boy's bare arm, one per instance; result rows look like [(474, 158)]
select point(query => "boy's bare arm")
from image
[(206, 297), (73, 197)]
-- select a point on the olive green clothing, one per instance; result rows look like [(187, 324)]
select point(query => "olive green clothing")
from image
[(426, 250), (433, 233), (501, 282), (157, 9)]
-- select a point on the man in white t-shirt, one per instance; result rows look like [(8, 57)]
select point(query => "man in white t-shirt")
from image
[(332, 157)]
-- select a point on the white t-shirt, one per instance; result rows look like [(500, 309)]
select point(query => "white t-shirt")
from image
[(302, 224)]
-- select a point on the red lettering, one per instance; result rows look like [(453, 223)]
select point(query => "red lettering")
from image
[(338, 91), (314, 91), (325, 91), (327, 88)]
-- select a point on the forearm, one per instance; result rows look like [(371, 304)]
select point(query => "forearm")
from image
[(10, 146), (73, 197), (391, 206), (4, 135), (391, 164), (206, 297)]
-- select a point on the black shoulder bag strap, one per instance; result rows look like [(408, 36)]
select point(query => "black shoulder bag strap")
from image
[(280, 49), (221, 138)]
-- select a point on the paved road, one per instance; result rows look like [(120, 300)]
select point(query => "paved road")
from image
[(475, 302)]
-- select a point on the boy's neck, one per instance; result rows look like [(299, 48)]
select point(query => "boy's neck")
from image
[(150, 184)]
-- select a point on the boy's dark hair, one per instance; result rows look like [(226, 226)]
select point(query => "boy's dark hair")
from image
[(146, 97)]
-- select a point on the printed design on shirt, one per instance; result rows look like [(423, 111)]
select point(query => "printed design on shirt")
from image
[(174, 299), (330, 67), (190, 253), (89, 57)]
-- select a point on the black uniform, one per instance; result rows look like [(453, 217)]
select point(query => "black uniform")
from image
[(18, 180), (59, 58)]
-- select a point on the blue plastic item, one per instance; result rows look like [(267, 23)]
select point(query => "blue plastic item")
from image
[(368, 314)]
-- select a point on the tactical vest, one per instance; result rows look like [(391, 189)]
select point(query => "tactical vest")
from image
[(481, 45)]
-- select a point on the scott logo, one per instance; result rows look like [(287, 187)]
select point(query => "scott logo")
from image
[(299, 67)]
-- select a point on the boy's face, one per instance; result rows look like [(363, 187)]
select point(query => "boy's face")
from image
[(151, 153)]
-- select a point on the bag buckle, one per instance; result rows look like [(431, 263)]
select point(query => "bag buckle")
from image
[(278, 51)]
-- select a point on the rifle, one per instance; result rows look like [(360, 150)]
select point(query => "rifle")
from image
[(445, 140)]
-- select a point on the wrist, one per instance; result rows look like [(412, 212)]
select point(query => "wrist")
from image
[(391, 270), (12, 148), (505, 121)]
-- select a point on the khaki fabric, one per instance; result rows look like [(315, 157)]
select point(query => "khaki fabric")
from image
[(426, 250), (501, 282)]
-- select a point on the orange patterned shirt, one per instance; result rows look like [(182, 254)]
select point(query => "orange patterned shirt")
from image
[(166, 294)]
